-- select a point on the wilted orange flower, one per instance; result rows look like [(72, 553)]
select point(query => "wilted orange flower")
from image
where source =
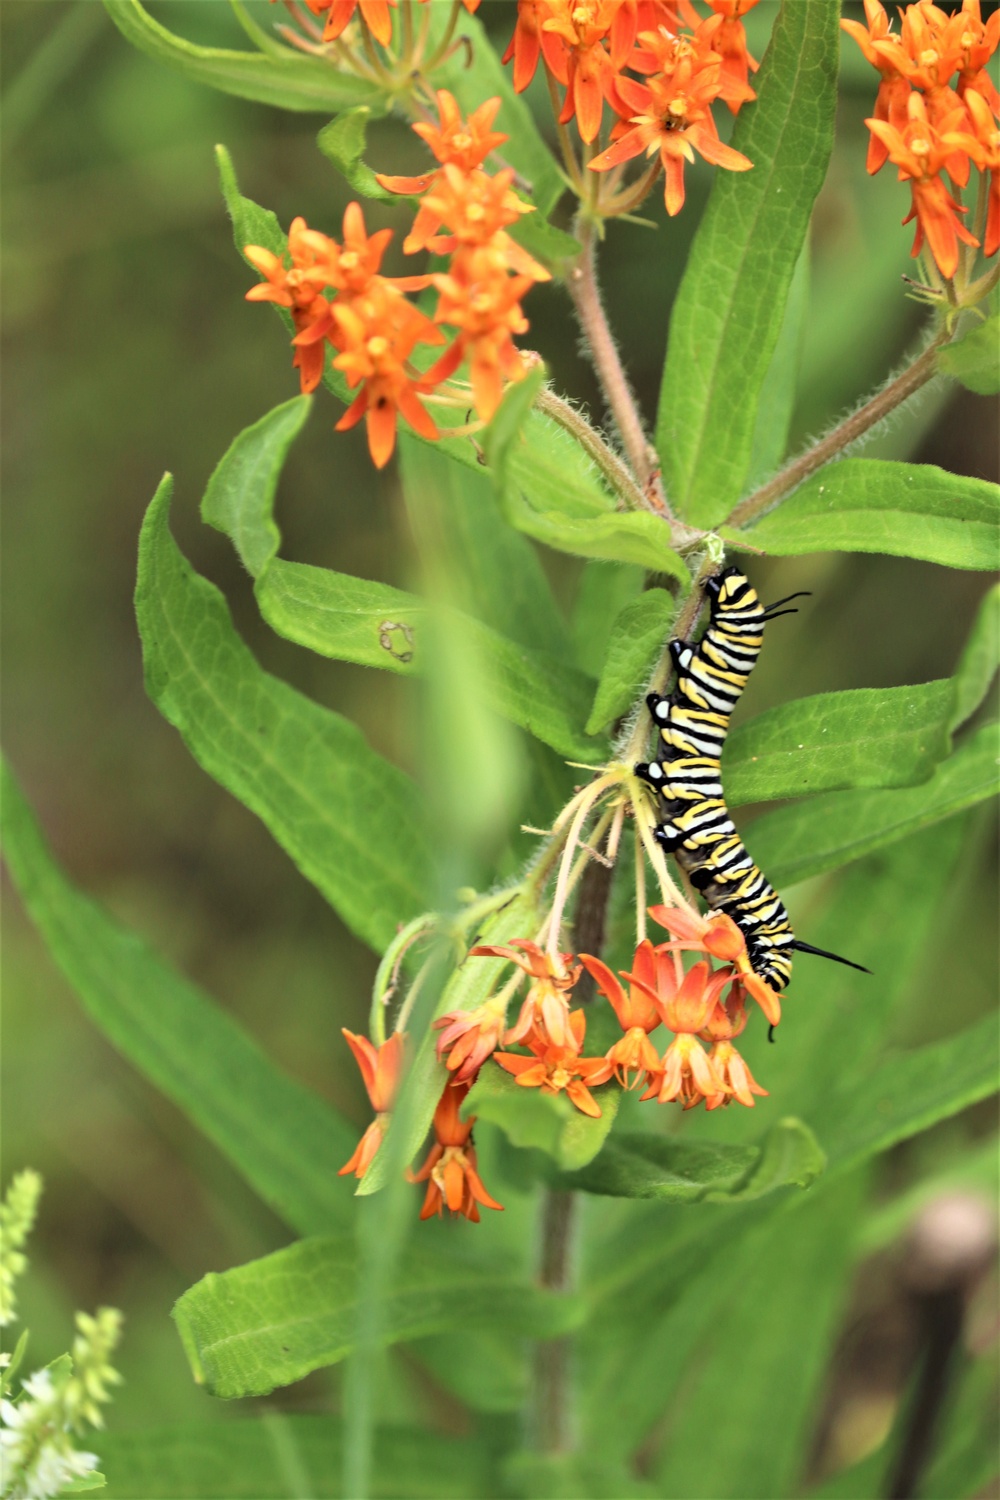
[(380, 1071), (376, 335), (726, 1023), (545, 1012), (468, 1037), (636, 1011), (450, 1171), (558, 1069), (921, 151), (374, 13)]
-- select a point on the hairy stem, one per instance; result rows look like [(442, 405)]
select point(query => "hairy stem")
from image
[(610, 465), (583, 288), (550, 1405), (853, 427)]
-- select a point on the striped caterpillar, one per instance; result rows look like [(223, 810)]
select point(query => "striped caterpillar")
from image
[(697, 828)]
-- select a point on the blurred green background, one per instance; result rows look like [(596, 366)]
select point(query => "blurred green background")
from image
[(129, 350)]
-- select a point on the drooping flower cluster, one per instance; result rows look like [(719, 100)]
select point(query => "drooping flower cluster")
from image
[(684, 62), (374, 15), (935, 113), (338, 299)]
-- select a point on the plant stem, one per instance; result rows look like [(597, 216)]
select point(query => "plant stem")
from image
[(610, 465), (551, 1394), (583, 288), (853, 427)]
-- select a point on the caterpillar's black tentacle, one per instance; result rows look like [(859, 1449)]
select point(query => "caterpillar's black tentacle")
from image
[(693, 723), (770, 608), (822, 953), (778, 614)]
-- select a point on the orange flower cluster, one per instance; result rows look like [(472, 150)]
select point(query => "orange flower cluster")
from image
[(381, 1068), (337, 297), (450, 1172), (375, 16), (692, 1005), (592, 47), (935, 112)]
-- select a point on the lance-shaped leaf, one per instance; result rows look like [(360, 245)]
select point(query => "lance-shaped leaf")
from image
[(279, 1455), (731, 304), (675, 1170), (979, 661), (973, 359), (289, 80), (284, 1140), (348, 818), (874, 505), (352, 619), (864, 737), (820, 834), (637, 637), (274, 1320)]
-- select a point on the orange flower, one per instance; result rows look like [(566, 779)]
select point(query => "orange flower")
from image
[(684, 1004), (921, 151), (526, 43), (545, 1012), (454, 140), (686, 1074), (987, 158), (728, 38), (737, 1080), (376, 335), (673, 117), (374, 14), (484, 303), (977, 42), (380, 1071), (450, 1171), (300, 289), (469, 1037), (719, 936), (558, 1069), (584, 65), (894, 89), (476, 208), (637, 1014)]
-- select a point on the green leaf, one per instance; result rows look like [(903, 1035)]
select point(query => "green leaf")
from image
[(688, 1171), (873, 505), (603, 592), (809, 838), (910, 1091), (777, 394), (187, 1047), (611, 536), (95, 1480), (731, 305), (343, 143), (776, 1326), (546, 1122), (973, 359), (567, 1476), (252, 225), (271, 1322), (864, 737), (348, 818), (637, 638), (283, 1455), (979, 661), (239, 499), (291, 81)]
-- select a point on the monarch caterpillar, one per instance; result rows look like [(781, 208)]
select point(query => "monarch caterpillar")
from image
[(697, 829)]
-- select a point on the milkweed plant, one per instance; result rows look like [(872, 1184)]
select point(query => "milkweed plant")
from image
[(588, 1178)]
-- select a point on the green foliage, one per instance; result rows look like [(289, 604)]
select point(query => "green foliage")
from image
[(286, 80), (544, 1122), (636, 640), (973, 359), (980, 660), (183, 1043), (865, 737), (682, 1171), (343, 142), (280, 1455), (347, 818), (820, 834), (730, 309), (272, 1321), (872, 505)]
